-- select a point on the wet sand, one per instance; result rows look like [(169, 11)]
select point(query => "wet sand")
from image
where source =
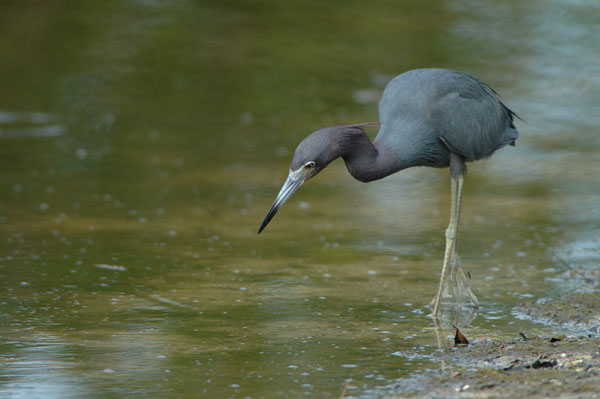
[(562, 366)]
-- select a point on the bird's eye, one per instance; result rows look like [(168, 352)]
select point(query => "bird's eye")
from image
[(309, 165)]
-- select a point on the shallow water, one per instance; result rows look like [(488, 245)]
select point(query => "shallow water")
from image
[(141, 143)]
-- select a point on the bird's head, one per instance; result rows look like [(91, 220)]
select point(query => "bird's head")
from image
[(312, 155)]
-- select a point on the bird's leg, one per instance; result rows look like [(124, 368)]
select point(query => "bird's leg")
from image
[(460, 281), (450, 241), (454, 260), (451, 266)]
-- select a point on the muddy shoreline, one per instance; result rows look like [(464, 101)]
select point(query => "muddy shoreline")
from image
[(562, 366)]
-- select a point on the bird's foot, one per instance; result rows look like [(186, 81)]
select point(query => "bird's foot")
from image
[(460, 290)]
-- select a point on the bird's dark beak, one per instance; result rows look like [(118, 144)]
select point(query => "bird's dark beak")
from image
[(293, 183)]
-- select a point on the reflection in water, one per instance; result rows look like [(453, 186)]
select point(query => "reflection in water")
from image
[(159, 134), (18, 125), (40, 370)]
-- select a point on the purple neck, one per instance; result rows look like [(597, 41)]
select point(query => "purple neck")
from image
[(366, 161)]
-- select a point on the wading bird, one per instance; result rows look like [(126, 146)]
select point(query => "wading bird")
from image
[(428, 117)]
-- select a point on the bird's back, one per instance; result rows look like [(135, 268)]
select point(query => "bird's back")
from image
[(426, 113)]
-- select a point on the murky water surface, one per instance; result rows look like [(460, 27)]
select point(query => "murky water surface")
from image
[(141, 143)]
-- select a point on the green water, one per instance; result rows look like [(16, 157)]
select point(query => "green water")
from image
[(142, 142)]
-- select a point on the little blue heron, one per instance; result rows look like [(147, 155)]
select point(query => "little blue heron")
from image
[(428, 117)]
